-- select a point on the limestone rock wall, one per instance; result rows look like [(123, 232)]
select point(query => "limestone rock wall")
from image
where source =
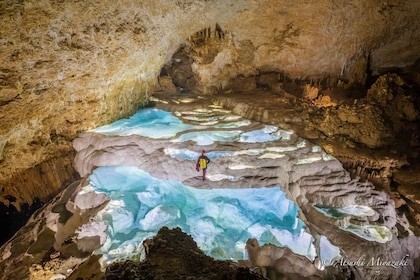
[(69, 66)]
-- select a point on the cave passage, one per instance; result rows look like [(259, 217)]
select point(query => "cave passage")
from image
[(152, 182)]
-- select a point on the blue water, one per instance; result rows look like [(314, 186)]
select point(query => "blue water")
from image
[(219, 220), (204, 138), (153, 123)]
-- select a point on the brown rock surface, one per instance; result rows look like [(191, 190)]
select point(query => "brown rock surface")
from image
[(71, 66), (172, 254)]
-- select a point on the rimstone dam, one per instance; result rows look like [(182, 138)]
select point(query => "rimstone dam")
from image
[(309, 112)]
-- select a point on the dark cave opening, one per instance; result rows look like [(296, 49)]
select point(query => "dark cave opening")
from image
[(13, 219)]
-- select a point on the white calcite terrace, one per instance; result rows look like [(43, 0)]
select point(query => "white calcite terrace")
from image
[(263, 183), (244, 154)]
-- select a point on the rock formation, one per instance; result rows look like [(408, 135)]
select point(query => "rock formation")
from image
[(71, 66), (63, 233), (313, 183), (177, 256), (283, 261), (68, 67), (51, 243)]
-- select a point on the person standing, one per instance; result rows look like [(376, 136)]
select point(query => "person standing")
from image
[(202, 163)]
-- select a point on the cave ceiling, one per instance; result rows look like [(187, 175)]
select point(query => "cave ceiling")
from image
[(70, 66)]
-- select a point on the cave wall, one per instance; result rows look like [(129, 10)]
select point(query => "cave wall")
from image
[(69, 66)]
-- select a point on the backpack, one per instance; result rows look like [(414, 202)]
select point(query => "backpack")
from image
[(203, 163)]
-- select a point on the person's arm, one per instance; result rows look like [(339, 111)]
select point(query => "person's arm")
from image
[(208, 160)]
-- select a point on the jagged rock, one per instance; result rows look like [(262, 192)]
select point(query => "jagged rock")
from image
[(167, 85), (411, 195), (399, 108), (310, 92), (362, 124), (172, 254), (385, 89), (51, 243), (323, 101), (283, 261), (377, 120)]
